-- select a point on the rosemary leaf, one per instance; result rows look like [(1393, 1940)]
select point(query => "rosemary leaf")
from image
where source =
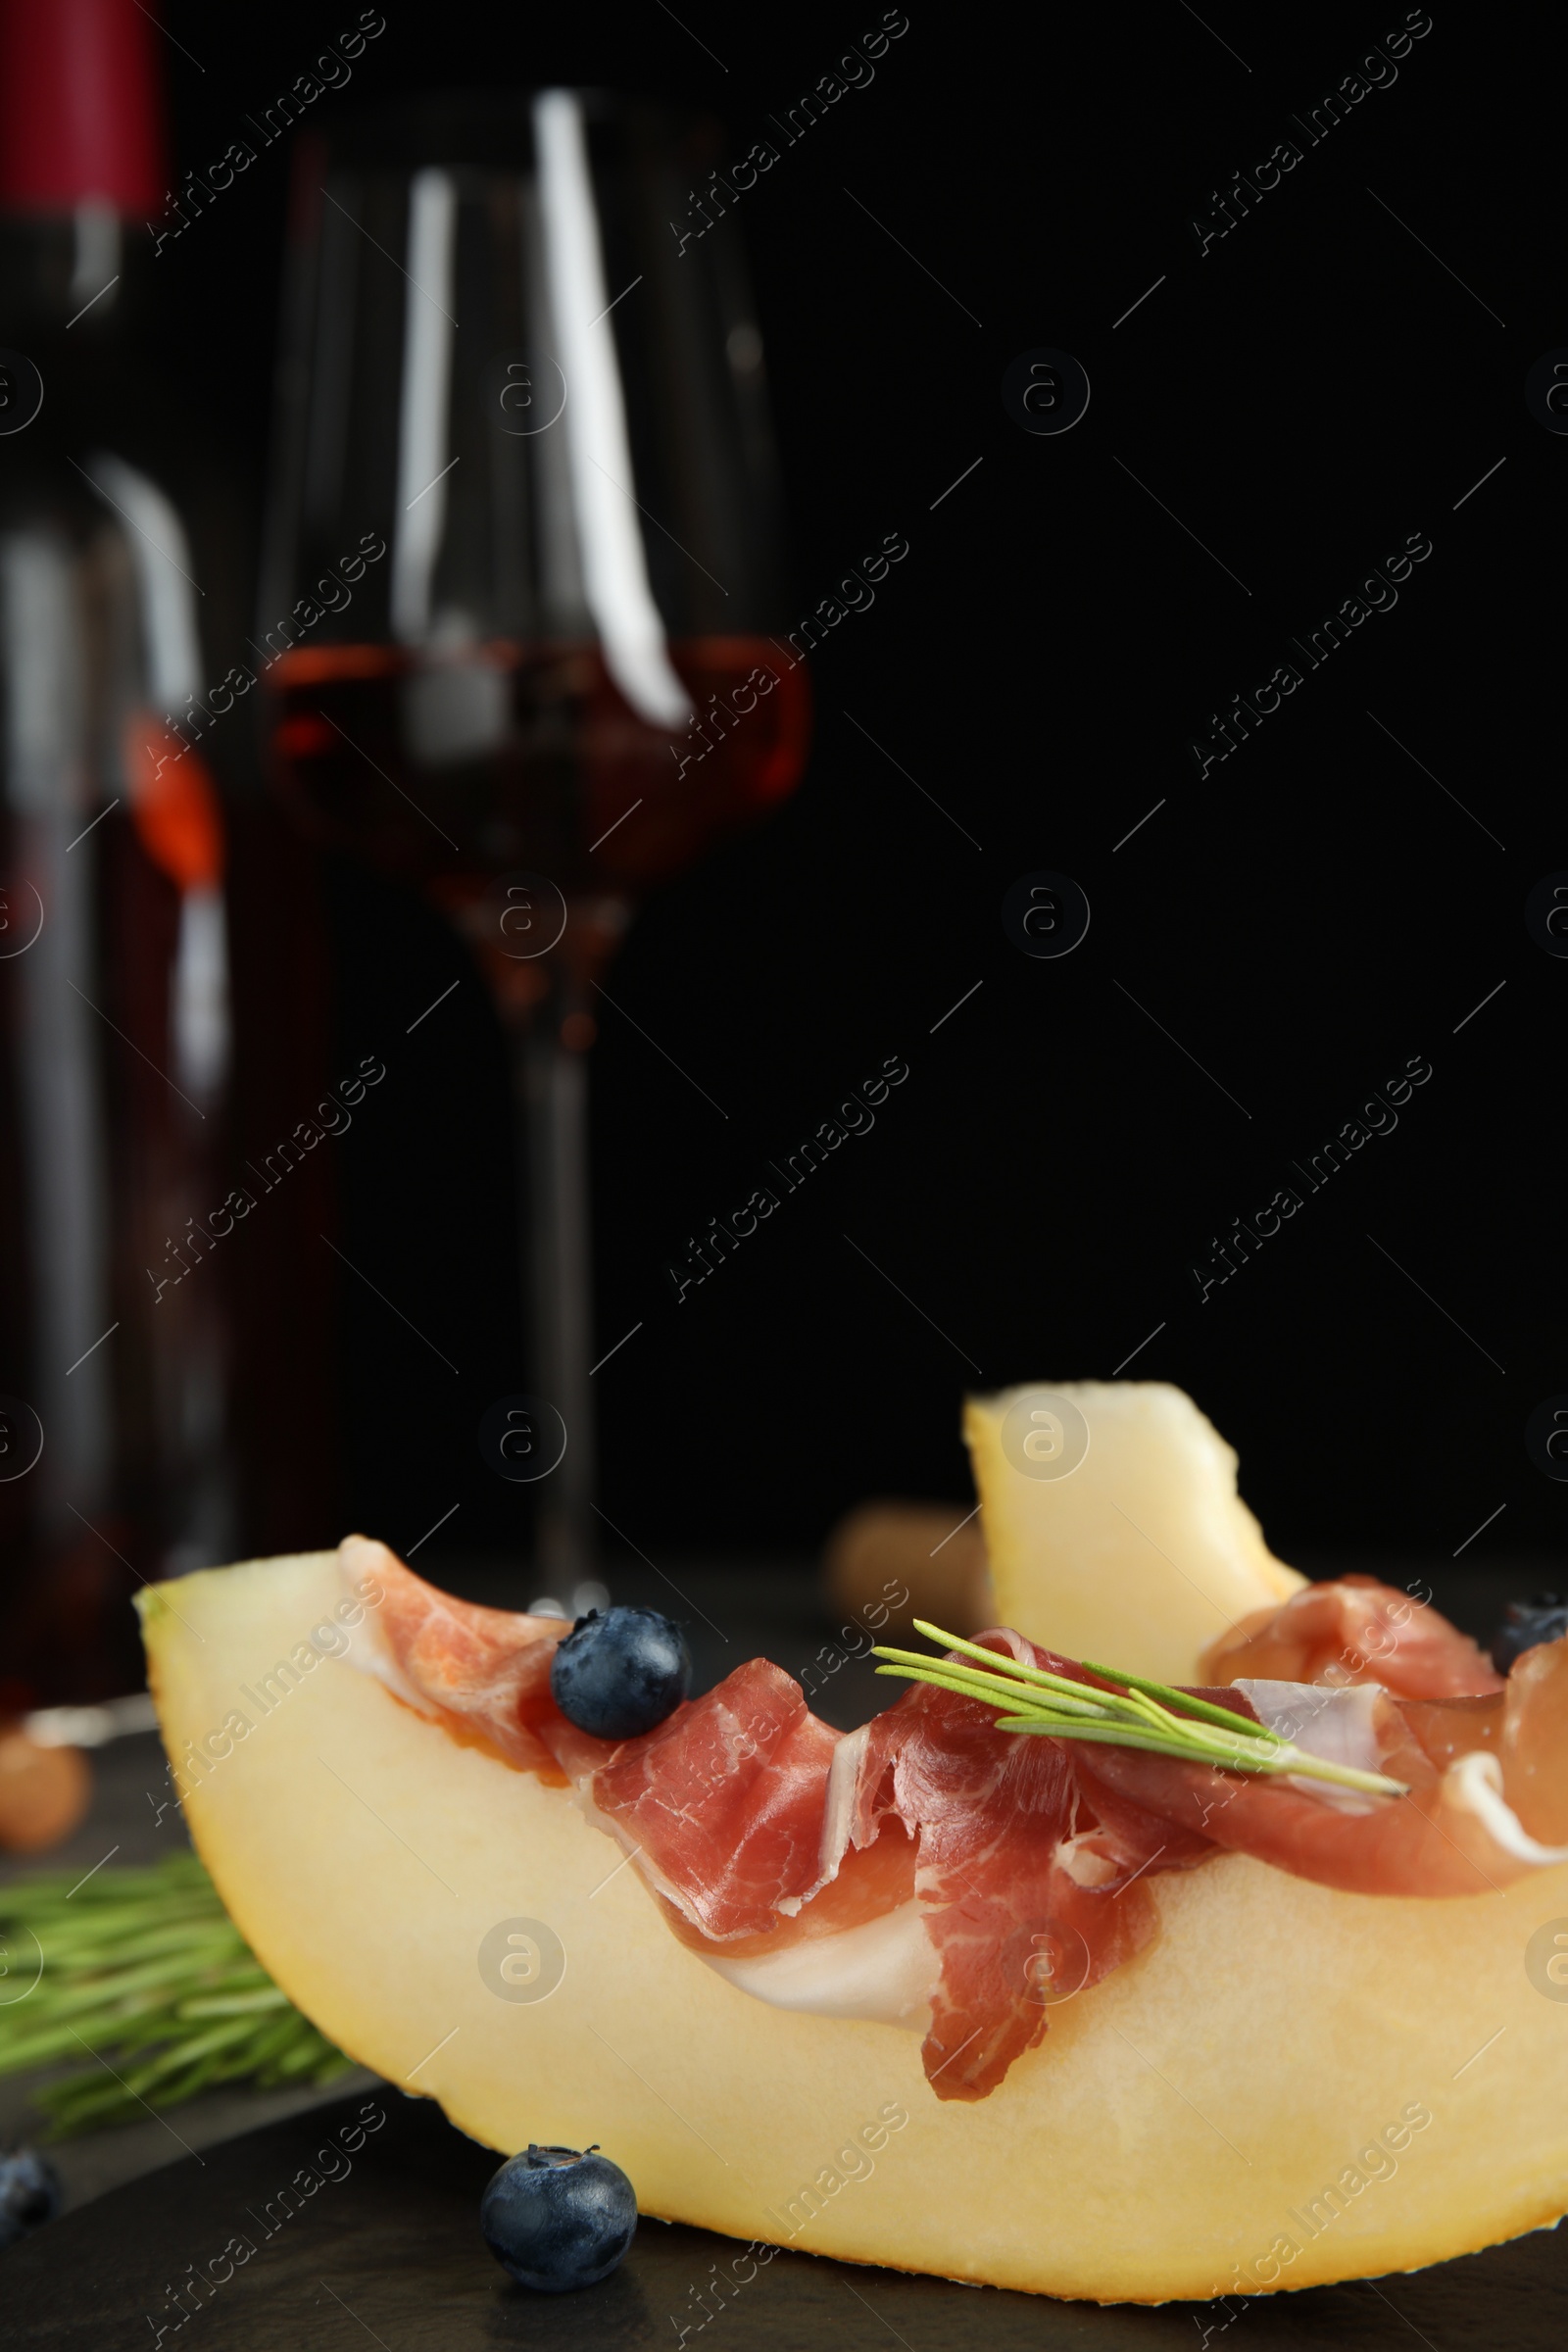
[(974, 1686), (998, 1662), (1049, 1705), (1183, 1702), (144, 1974), (234, 2004)]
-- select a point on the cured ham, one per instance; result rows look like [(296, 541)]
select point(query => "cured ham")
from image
[(1354, 1630), (1026, 1880), (932, 1871), (724, 1804), (726, 1801), (479, 1671)]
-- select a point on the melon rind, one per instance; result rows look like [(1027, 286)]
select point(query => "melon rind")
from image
[(1157, 2145)]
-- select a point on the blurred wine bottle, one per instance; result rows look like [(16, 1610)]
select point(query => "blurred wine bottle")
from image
[(115, 1033)]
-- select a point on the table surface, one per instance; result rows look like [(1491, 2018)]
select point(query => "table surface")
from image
[(385, 2246)]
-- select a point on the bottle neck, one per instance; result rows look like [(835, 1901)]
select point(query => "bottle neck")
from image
[(72, 300), (79, 271)]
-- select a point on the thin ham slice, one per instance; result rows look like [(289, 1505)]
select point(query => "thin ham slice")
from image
[(1487, 1803), (723, 1803), (1027, 1860), (1027, 1878), (1354, 1630), (478, 1671), (1533, 1744), (725, 1799)]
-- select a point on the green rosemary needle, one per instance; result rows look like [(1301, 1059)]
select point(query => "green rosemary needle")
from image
[(141, 1976), (1140, 1713)]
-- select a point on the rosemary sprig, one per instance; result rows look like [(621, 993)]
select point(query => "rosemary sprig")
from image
[(144, 1970), (1139, 1713)]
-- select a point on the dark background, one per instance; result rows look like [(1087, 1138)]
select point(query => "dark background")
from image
[(1304, 921)]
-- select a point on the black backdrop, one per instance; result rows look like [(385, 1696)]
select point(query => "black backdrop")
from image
[(1278, 940)]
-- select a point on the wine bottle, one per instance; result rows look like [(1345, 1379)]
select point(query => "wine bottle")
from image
[(115, 1036)]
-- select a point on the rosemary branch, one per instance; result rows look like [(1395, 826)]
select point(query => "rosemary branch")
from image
[(1140, 1713), (143, 1973)]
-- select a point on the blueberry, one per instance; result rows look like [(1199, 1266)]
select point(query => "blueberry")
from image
[(557, 2220), (619, 1674), (1525, 1623), (30, 2193)]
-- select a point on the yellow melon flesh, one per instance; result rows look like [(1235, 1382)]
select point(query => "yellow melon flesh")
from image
[(1145, 1554), (1177, 2121)]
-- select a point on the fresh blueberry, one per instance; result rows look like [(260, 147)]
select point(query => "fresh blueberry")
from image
[(619, 1674), (30, 2193), (1525, 1624), (557, 2220)]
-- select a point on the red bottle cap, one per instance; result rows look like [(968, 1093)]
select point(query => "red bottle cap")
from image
[(82, 106)]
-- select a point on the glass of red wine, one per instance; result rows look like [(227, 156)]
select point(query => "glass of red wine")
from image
[(523, 583)]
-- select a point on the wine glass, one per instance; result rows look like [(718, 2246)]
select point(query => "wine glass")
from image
[(521, 605)]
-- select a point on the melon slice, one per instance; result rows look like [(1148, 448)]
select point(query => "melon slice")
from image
[(1290, 2085), (1143, 1553)]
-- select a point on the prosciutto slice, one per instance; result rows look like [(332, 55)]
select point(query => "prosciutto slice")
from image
[(1028, 1877), (724, 1804), (1349, 1630), (478, 1671), (779, 1848), (1487, 1803), (725, 1799)]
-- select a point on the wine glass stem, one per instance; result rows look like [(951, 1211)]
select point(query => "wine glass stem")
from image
[(549, 1085)]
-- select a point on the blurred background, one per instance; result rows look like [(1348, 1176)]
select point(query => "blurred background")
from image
[(1270, 941)]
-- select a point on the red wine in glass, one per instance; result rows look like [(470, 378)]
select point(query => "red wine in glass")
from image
[(577, 784)]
